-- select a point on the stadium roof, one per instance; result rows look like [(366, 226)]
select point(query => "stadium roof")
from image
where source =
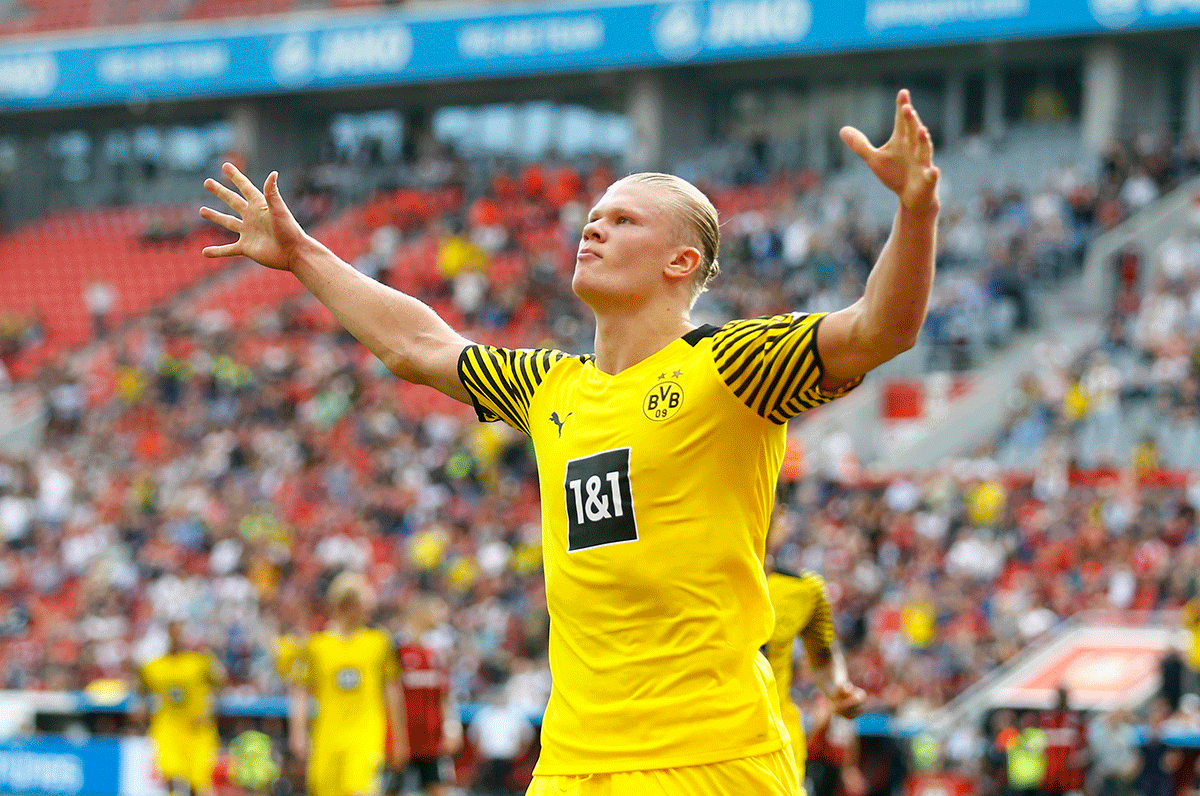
[(313, 52)]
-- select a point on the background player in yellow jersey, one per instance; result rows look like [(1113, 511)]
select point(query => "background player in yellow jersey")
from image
[(182, 689), (657, 459), (350, 671), (802, 611)]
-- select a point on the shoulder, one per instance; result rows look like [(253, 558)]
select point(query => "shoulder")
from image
[(376, 638), (802, 580), (765, 326), (536, 360)]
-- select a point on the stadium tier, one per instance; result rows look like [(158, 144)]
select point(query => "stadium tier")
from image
[(126, 261), (193, 452)]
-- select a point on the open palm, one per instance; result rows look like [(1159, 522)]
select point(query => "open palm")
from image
[(267, 231), (905, 163)]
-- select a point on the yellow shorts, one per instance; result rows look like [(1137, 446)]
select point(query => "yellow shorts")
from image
[(187, 756), (799, 744), (348, 771), (772, 774)]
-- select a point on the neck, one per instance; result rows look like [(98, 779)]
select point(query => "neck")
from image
[(344, 627), (625, 339)]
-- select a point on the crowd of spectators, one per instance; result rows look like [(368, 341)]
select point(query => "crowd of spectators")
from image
[(1134, 400), (19, 332), (222, 473)]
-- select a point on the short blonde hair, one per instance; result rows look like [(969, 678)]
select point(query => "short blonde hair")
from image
[(699, 218), (350, 584)]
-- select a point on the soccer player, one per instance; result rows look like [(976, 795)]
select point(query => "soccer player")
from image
[(350, 671), (434, 729), (182, 685), (657, 458), (802, 611)]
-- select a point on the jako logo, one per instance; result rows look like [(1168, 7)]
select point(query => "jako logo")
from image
[(1115, 13), (364, 51), (340, 53), (680, 29), (750, 23)]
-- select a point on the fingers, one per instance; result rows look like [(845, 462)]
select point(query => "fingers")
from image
[(225, 195), (274, 197), (903, 100), (913, 134), (227, 250), (909, 128), (924, 146), (240, 180), (231, 223), (857, 141)]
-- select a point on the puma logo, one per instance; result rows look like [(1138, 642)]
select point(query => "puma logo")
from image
[(554, 419)]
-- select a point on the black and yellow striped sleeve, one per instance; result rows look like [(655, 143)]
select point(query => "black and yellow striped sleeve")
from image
[(772, 364), (817, 633), (502, 381)]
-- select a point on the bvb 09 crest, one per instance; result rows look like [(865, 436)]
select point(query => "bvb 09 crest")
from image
[(663, 400)]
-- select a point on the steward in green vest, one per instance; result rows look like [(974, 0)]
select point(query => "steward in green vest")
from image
[(1027, 761)]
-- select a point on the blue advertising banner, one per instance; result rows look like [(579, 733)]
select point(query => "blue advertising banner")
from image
[(54, 766), (357, 51)]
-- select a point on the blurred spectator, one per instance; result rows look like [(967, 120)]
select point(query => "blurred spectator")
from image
[(833, 753), (1026, 758), (1066, 747), (99, 296), (994, 766), (18, 333), (1159, 761), (1191, 623), (502, 733), (1115, 762)]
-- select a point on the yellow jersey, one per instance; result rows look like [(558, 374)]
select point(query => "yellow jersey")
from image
[(1191, 621), (182, 687), (657, 485), (346, 676), (288, 648), (801, 609)]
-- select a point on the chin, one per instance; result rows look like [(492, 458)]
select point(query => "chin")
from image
[(590, 293), (600, 293), (585, 288)]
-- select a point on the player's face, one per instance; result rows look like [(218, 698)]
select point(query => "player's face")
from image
[(352, 610), (631, 236)]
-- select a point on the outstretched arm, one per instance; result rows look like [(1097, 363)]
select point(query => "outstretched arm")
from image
[(886, 320), (829, 674), (825, 657), (409, 337)]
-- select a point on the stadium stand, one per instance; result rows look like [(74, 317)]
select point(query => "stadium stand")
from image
[(216, 450), (50, 267), (287, 414)]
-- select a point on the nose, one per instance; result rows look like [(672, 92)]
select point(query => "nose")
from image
[(591, 230)]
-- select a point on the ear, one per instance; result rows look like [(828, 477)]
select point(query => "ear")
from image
[(684, 263)]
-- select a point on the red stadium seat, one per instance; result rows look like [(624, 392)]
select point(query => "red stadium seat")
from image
[(45, 267)]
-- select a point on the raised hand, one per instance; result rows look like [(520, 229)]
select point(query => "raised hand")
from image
[(905, 163), (267, 231)]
